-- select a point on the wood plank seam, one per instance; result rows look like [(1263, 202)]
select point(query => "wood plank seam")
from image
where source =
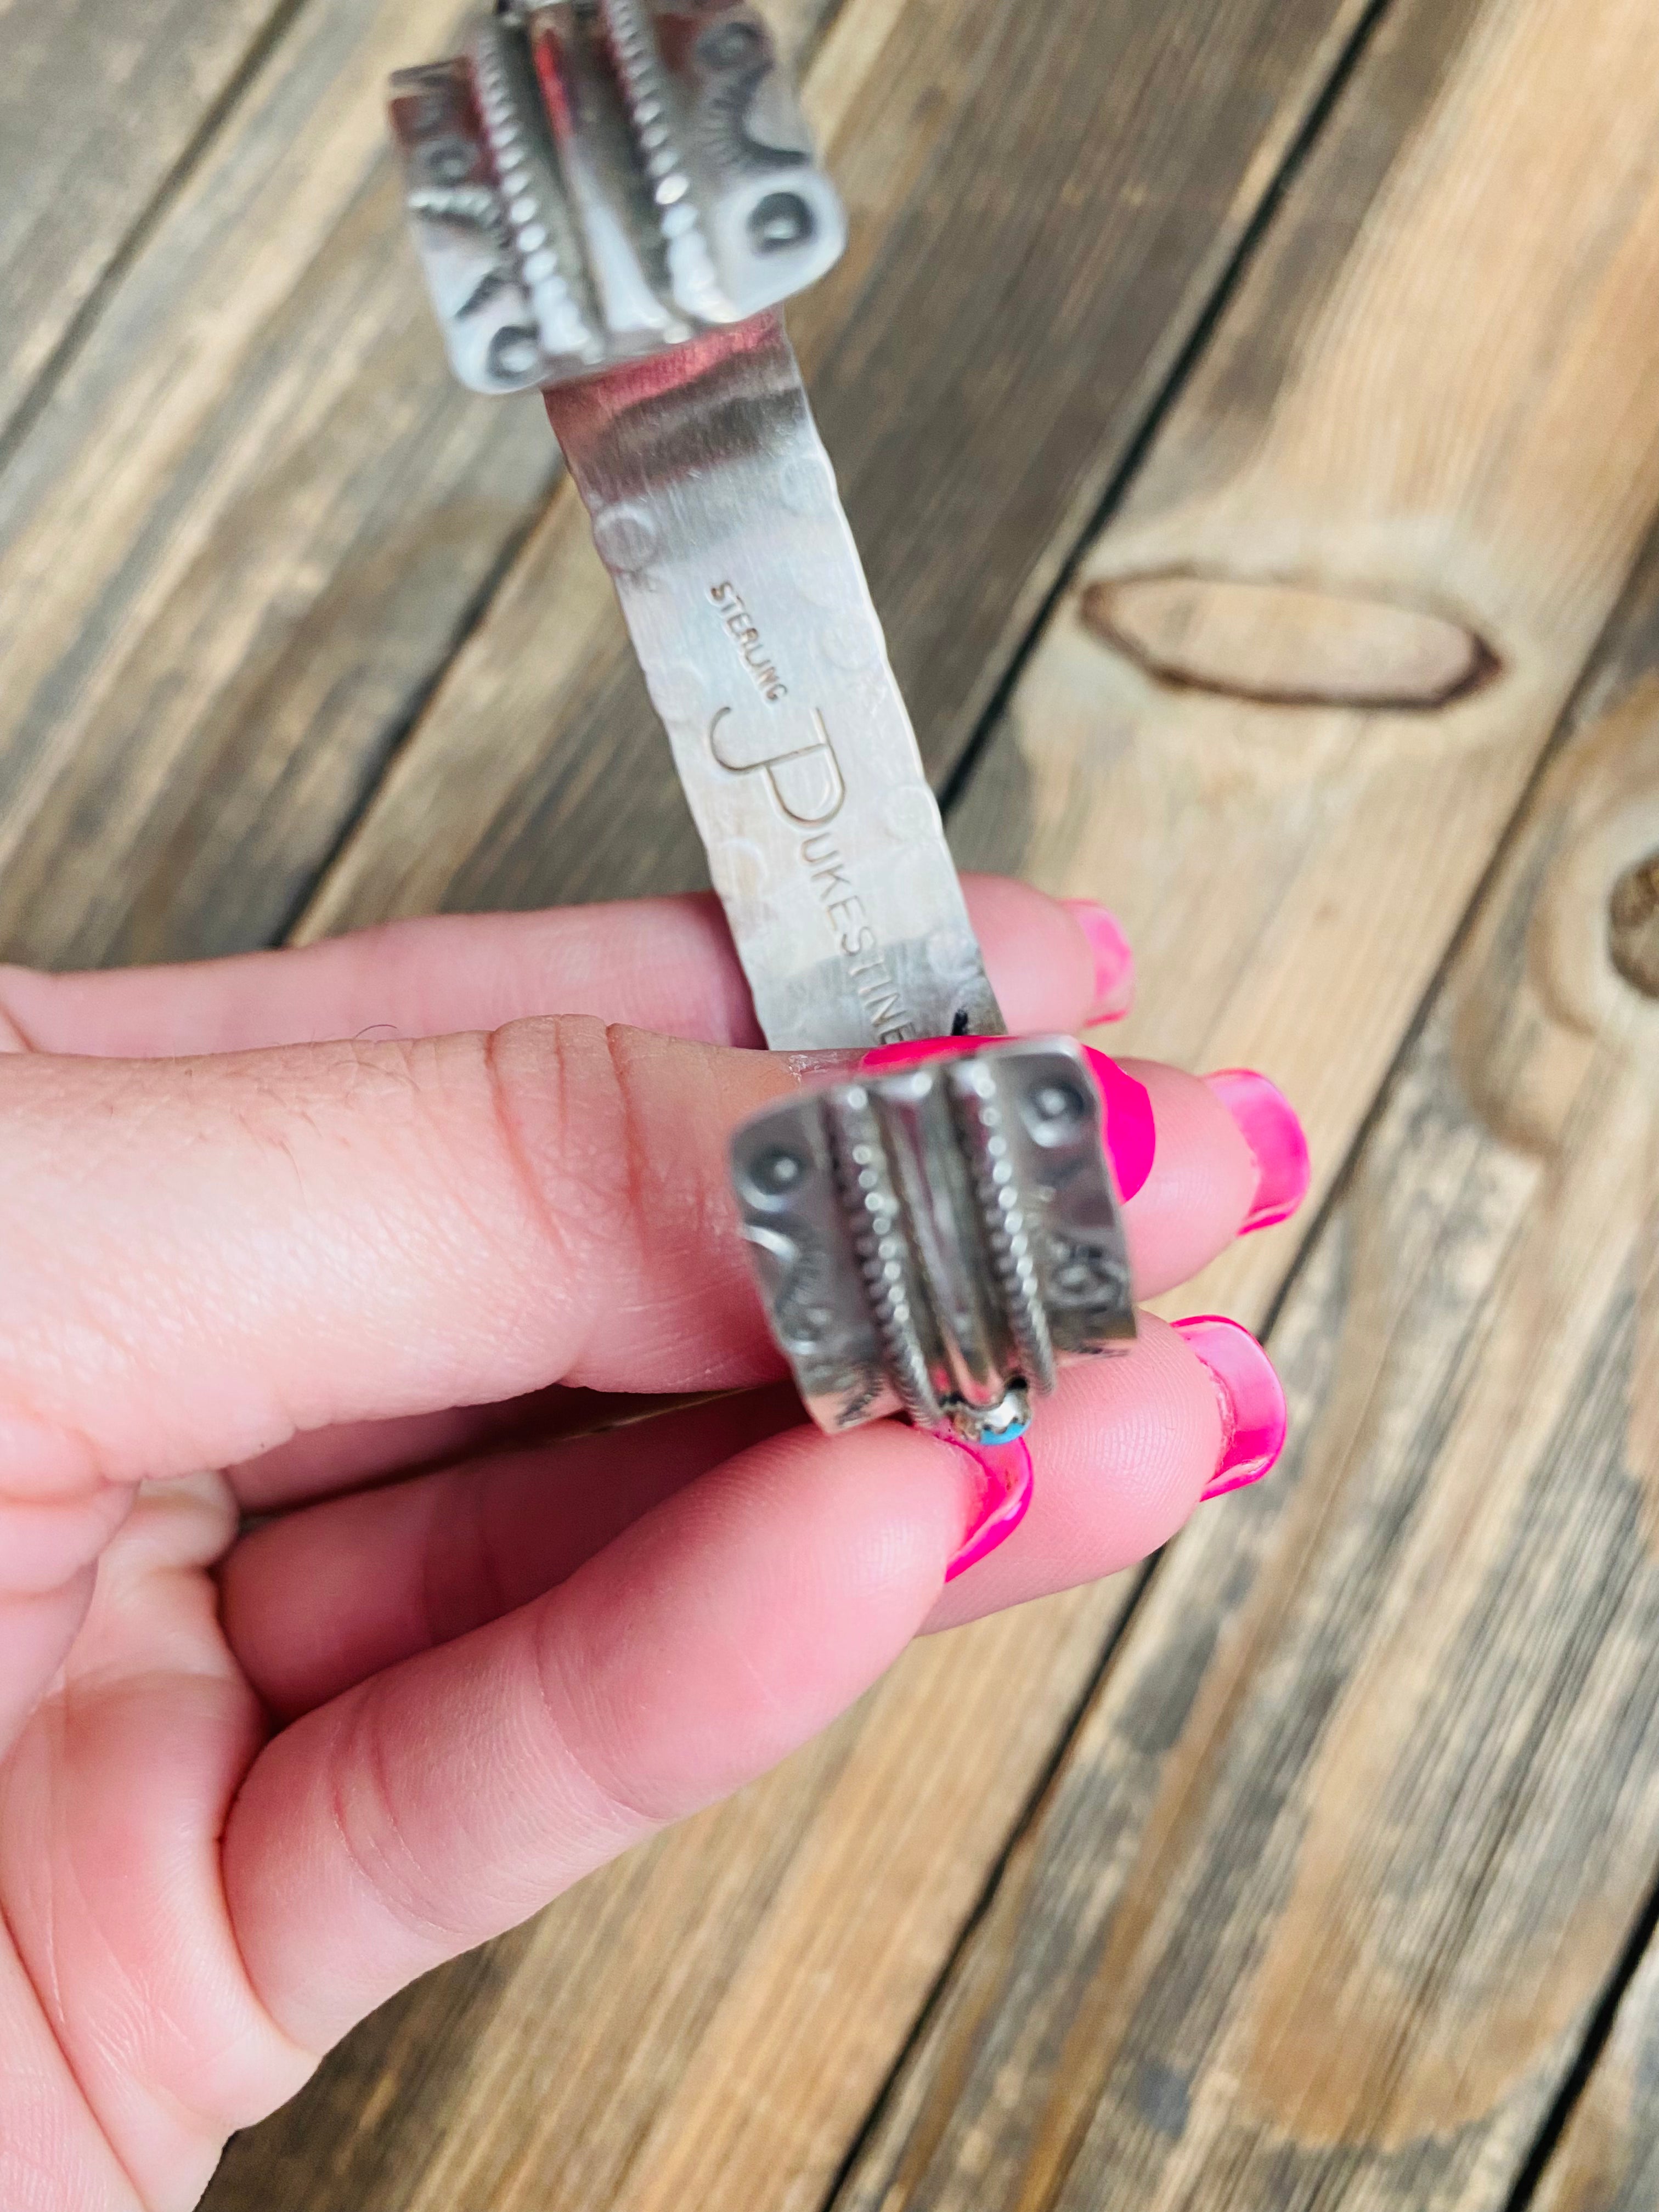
[(1571, 2101), (1019, 651), (383, 2091), (1310, 1230), (477, 612), (674, 2164), (1107, 717), (400, 731), (1598, 2033)]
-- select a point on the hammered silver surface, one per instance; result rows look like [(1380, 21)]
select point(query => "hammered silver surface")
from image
[(593, 180), (714, 508)]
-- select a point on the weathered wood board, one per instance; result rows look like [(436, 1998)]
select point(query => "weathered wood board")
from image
[(251, 492), (240, 544), (1378, 536), (1325, 1895), (730, 1998), (255, 551), (101, 108), (741, 2059)]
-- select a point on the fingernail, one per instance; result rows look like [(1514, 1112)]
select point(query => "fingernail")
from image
[(1268, 1124), (1115, 963), (1131, 1131), (1001, 1493), (919, 1048), (1250, 1395)]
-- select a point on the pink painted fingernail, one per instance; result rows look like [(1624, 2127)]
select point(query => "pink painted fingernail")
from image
[(1131, 1131), (1002, 1496), (1250, 1395), (1115, 963), (1268, 1123)]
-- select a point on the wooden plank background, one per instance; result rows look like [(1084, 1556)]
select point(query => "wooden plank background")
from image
[(1250, 411)]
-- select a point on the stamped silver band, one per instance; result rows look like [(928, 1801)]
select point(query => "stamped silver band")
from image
[(611, 198), (714, 508)]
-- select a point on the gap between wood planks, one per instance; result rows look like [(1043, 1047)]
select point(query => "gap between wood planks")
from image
[(956, 784), (1511, 819), (259, 52), (477, 608), (1597, 2035), (1091, 1655), (1104, 733)]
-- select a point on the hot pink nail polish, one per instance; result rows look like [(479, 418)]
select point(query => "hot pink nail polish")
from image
[(1004, 1472), (1114, 961), (1268, 1122), (1131, 1131), (1250, 1395)]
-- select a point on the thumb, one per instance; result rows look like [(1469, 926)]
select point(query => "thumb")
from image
[(204, 1256)]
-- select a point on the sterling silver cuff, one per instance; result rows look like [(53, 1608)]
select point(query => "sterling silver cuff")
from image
[(611, 198)]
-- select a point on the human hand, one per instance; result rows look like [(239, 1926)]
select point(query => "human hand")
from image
[(419, 1653)]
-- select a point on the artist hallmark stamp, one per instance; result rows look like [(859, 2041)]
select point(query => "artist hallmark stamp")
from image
[(807, 788)]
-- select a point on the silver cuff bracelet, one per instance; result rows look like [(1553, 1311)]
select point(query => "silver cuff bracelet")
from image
[(611, 199)]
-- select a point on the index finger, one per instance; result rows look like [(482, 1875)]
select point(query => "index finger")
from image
[(666, 964)]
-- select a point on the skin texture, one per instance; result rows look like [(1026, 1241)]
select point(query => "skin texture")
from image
[(380, 1232)]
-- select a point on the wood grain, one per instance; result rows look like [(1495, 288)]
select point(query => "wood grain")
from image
[(739, 2078), (100, 103), (637, 2088), (237, 550), (1059, 188), (242, 536), (252, 493), (1432, 414), (1327, 1890)]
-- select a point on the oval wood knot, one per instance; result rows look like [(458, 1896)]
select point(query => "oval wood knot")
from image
[(1287, 645), (1633, 926)]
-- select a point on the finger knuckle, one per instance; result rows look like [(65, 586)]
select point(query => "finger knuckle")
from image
[(559, 1116), (614, 1137)]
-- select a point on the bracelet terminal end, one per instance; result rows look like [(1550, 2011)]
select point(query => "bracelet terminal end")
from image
[(933, 1240), (593, 182)]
